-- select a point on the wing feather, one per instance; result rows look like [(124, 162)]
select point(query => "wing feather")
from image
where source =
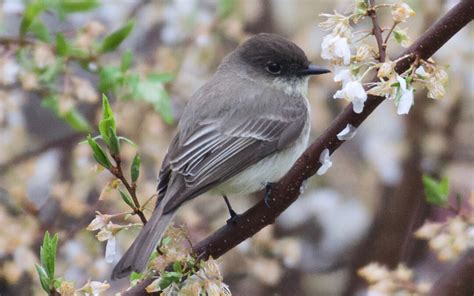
[(215, 150)]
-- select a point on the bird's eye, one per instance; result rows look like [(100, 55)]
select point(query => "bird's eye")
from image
[(273, 68)]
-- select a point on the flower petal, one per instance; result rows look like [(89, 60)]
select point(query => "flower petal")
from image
[(347, 133)]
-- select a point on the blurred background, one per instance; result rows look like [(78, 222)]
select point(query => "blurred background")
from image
[(363, 209)]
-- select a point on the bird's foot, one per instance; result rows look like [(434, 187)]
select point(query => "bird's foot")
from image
[(233, 217), (268, 192)]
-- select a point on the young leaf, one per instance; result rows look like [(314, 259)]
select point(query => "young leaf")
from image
[(106, 108), (76, 120), (48, 254), (135, 276), (127, 59), (177, 267), (62, 47), (29, 16), (99, 154), (154, 92), (40, 30), (127, 199), (436, 192), (105, 125), (70, 6), (114, 142), (112, 41), (225, 8), (43, 277), (135, 168), (109, 77)]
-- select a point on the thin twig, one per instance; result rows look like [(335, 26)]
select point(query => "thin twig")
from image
[(390, 33), (118, 172), (377, 31)]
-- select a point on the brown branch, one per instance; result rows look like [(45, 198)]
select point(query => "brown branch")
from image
[(287, 190), (118, 172), (377, 31)]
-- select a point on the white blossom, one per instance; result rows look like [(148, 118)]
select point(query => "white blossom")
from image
[(347, 133), (338, 23), (406, 98), (401, 12), (325, 161), (387, 69), (336, 49), (110, 249), (94, 288), (355, 93), (100, 221), (342, 74), (436, 82), (420, 71)]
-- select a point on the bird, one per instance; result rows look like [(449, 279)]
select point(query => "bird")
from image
[(239, 133)]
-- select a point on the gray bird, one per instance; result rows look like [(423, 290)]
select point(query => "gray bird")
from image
[(240, 132)]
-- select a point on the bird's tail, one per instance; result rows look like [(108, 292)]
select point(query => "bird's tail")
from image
[(137, 256)]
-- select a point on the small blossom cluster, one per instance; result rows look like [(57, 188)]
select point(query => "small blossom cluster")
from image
[(90, 288), (451, 238), (187, 277), (383, 281), (206, 281), (107, 232), (353, 60)]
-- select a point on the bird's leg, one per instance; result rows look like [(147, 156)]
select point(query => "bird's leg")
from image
[(268, 192), (233, 214)]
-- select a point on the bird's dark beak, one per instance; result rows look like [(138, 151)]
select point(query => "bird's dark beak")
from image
[(313, 70)]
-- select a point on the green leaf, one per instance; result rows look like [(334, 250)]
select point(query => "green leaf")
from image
[(127, 199), (436, 192), (177, 267), (107, 112), (71, 6), (154, 92), (169, 277), (43, 277), (32, 11), (114, 144), (127, 59), (166, 240), (225, 8), (161, 77), (135, 276), (112, 41), (49, 73), (107, 126), (135, 168), (99, 154), (62, 47), (40, 30), (76, 120), (399, 36), (48, 254), (109, 77)]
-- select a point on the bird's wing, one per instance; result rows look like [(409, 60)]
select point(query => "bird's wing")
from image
[(216, 151)]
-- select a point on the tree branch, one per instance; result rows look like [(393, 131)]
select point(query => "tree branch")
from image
[(285, 192)]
